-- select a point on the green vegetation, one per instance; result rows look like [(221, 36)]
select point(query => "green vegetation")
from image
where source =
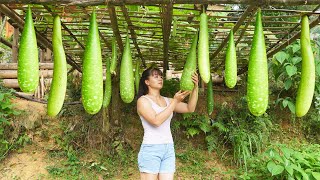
[(282, 162), (9, 139)]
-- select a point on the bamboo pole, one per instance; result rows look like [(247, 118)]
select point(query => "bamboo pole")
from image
[(12, 74), (64, 26), (41, 39), (153, 2), (13, 83), (5, 42), (14, 66), (42, 86), (115, 27), (133, 34), (166, 29)]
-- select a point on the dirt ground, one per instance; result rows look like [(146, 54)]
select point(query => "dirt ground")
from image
[(29, 164), (31, 161)]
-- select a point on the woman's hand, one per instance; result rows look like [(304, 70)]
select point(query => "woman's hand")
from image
[(179, 96), (195, 79)]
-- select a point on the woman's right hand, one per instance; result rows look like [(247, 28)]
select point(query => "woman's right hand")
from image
[(179, 96)]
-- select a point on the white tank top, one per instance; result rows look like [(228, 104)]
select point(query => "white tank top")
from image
[(157, 135)]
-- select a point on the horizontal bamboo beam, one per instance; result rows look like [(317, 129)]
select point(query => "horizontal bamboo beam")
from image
[(64, 26), (5, 42), (42, 40), (283, 45), (13, 83), (248, 11), (14, 66), (289, 32), (153, 2), (13, 74), (292, 39)]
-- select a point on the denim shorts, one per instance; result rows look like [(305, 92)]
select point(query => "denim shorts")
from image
[(157, 158)]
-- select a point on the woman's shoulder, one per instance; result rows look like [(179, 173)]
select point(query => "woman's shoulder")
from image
[(142, 99)]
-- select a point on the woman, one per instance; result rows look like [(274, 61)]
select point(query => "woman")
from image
[(156, 158)]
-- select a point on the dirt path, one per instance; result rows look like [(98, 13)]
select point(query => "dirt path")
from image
[(28, 164)]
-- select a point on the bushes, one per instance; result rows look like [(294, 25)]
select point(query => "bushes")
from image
[(282, 162), (234, 128), (7, 140)]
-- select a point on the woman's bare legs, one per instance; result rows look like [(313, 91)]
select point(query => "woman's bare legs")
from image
[(148, 176), (166, 176)]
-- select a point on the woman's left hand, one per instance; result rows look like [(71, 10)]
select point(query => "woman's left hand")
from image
[(195, 79)]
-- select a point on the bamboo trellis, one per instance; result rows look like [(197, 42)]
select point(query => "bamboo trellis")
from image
[(150, 25)]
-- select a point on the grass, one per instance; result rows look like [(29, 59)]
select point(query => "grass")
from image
[(192, 163)]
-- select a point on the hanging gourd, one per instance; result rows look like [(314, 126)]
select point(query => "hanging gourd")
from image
[(257, 84), (92, 76)]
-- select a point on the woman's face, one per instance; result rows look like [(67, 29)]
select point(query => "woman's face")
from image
[(155, 81)]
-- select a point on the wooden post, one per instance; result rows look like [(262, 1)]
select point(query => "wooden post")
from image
[(42, 86), (15, 45), (41, 56), (47, 55)]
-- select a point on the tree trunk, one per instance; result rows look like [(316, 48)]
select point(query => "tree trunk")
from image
[(112, 119)]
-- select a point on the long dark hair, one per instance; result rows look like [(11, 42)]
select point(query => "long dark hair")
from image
[(143, 88)]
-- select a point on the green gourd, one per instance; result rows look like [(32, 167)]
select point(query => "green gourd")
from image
[(307, 82), (257, 84), (107, 86), (28, 63), (203, 49), (231, 63), (92, 76), (113, 56), (186, 83), (126, 74), (59, 80)]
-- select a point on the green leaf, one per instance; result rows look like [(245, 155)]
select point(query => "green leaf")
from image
[(3, 120), (274, 169), (192, 29), (16, 113), (295, 48), (132, 8), (297, 176), (1, 96), (290, 178), (278, 100), (291, 70), (281, 56), (318, 69), (288, 84), (271, 153), (316, 175), (289, 169), (296, 60), (286, 151), (285, 103), (292, 107), (205, 127), (304, 175), (193, 131)]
